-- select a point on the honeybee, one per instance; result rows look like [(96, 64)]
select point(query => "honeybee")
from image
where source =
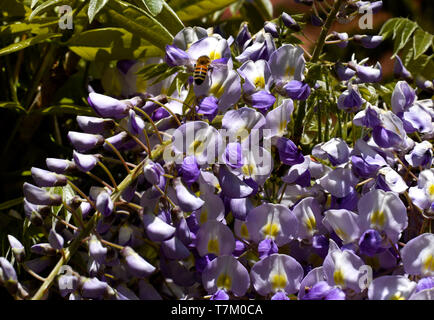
[(203, 65), (201, 69)]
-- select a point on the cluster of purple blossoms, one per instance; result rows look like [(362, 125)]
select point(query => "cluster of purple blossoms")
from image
[(210, 198)]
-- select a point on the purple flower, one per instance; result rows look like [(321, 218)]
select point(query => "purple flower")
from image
[(84, 142), (85, 162), (138, 266), (277, 272), (104, 203), (272, 221), (261, 47), (395, 287), (226, 273), (288, 152), (403, 97), (297, 90), (243, 36), (370, 243), (216, 238), (369, 42), (289, 22), (17, 248), (418, 255), (266, 248), (343, 37), (175, 56), (271, 28), (233, 155), (351, 100), (108, 107), (41, 196), (322, 291), (367, 74), (59, 165), (344, 73), (94, 125), (44, 178), (189, 170), (208, 106), (400, 71)]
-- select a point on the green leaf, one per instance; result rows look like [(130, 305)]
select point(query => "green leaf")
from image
[(389, 27), (66, 109), (265, 7), (145, 27), (188, 10), (27, 43), (153, 6), (95, 6), (421, 42), (37, 28), (11, 203), (405, 30), (34, 3), (110, 44), (45, 6), (12, 105)]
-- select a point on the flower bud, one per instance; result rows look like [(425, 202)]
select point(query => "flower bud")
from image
[(400, 71), (8, 276), (43, 249), (44, 178), (290, 23), (271, 28), (40, 196), (297, 90), (94, 125), (243, 35), (370, 243), (368, 42), (189, 170), (108, 107), (59, 165), (84, 162), (288, 152), (84, 142), (55, 239), (17, 248), (175, 56), (104, 204), (138, 266), (96, 250)]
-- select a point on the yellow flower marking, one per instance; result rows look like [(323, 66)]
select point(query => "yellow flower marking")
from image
[(197, 147), (290, 71), (248, 169), (214, 55), (282, 126), (203, 216), (341, 233), (397, 296), (431, 190), (213, 246), (278, 281), (378, 218), (338, 277), (244, 232), (271, 229), (260, 82), (428, 263), (310, 223), (224, 281)]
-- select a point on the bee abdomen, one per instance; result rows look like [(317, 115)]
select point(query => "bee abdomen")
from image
[(199, 75)]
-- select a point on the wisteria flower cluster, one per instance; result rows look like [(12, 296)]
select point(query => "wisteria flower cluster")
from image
[(213, 189)]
